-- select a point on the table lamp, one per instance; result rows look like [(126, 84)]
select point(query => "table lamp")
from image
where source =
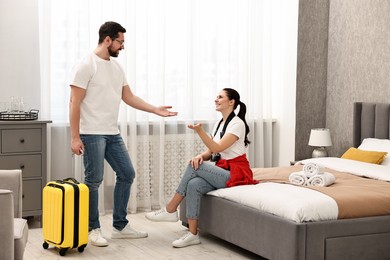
[(320, 137)]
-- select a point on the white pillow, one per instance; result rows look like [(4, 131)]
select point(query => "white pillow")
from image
[(380, 145)]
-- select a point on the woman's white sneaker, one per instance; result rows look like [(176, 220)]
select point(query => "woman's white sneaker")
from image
[(188, 239), (162, 215)]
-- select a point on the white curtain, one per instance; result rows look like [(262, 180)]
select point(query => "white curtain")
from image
[(179, 53)]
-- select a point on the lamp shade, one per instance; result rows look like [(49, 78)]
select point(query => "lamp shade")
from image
[(320, 137)]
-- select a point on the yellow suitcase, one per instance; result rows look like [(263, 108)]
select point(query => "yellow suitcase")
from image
[(65, 215)]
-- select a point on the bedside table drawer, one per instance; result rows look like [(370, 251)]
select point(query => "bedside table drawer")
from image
[(21, 140), (32, 195), (31, 165)]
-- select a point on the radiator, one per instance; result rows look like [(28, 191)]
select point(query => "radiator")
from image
[(160, 163)]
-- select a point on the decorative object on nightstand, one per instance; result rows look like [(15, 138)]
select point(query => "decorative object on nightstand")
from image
[(320, 137)]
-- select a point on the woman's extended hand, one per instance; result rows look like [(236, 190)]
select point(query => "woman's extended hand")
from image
[(196, 161), (197, 127)]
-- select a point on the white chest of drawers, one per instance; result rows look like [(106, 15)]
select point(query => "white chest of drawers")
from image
[(23, 145)]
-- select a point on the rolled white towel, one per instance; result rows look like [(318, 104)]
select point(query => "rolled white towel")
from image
[(298, 178), (311, 169), (323, 180)]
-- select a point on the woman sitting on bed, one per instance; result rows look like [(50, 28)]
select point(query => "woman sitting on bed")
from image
[(227, 148)]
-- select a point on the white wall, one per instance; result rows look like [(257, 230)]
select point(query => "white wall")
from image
[(19, 51)]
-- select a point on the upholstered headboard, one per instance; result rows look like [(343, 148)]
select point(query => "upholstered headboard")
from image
[(370, 120)]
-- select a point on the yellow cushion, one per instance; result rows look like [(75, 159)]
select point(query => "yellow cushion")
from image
[(364, 156)]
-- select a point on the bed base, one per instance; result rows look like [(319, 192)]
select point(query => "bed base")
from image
[(273, 237)]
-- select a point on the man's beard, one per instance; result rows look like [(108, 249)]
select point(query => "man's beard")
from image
[(113, 53)]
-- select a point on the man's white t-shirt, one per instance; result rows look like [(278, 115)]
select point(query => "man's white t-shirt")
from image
[(236, 127), (103, 81)]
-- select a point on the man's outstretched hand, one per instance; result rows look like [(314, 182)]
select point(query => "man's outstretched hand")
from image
[(163, 111)]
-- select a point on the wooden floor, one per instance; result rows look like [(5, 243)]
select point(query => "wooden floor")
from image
[(156, 246)]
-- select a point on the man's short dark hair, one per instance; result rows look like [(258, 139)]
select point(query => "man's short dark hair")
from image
[(110, 29)]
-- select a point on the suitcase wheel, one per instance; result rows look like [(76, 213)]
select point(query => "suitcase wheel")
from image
[(45, 245), (81, 248), (63, 251)]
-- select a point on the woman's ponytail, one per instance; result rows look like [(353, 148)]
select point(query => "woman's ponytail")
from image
[(233, 94)]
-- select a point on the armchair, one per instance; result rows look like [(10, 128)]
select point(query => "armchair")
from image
[(13, 228)]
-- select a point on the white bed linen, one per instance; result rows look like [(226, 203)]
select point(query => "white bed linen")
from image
[(288, 201), (296, 203), (370, 170)]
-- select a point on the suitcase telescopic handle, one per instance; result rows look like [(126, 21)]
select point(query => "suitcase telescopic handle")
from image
[(72, 180)]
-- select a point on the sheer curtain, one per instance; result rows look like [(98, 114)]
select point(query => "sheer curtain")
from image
[(179, 53)]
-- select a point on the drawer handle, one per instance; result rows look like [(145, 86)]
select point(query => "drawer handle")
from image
[(22, 196), (22, 140), (22, 166)]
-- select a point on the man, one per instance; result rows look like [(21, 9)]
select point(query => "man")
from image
[(98, 85)]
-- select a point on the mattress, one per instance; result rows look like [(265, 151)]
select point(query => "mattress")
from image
[(360, 190)]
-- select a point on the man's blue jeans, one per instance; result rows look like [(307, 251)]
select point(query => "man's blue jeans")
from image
[(113, 149)]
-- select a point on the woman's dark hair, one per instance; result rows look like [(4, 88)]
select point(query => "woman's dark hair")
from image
[(110, 29), (233, 94)]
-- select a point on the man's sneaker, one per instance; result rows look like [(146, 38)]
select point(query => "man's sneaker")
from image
[(128, 232), (96, 238), (162, 215), (187, 240)]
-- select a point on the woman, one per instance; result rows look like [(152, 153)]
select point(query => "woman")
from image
[(227, 148)]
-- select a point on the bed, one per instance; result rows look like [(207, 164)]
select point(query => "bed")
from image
[(277, 237)]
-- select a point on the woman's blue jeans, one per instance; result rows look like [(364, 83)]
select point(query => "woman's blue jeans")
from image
[(113, 149), (195, 183)]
